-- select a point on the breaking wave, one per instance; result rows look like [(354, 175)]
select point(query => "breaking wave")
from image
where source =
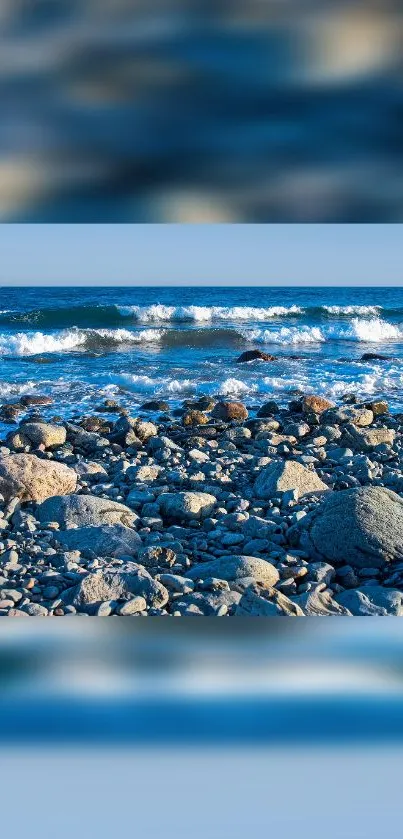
[(374, 330)]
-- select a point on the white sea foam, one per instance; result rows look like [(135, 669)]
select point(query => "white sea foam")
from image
[(352, 310), (203, 314), (31, 343), (373, 330)]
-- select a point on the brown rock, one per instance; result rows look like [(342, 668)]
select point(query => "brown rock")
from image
[(33, 479), (315, 404), (194, 418), (230, 411)]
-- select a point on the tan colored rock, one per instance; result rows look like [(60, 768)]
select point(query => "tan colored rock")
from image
[(315, 404), (283, 475), (33, 479), (194, 417)]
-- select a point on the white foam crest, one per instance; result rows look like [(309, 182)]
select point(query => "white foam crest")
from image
[(286, 335), (352, 310), (202, 314), (31, 343), (235, 387), (373, 330), (8, 389), (137, 383)]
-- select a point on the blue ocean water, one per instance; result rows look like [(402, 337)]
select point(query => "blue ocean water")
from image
[(81, 345)]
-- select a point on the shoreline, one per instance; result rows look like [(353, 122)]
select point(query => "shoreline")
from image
[(205, 510)]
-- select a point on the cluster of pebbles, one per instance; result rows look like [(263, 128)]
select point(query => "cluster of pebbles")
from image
[(215, 508)]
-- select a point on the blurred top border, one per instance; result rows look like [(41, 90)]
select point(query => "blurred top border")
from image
[(209, 111)]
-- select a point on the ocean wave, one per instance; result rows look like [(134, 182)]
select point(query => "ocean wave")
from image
[(373, 330), (34, 343), (351, 310), (202, 314)]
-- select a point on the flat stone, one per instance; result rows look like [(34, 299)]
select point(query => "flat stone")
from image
[(103, 540), (372, 600), (85, 510), (281, 476)]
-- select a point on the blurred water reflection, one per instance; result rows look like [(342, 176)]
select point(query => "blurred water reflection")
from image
[(213, 110), (254, 682)]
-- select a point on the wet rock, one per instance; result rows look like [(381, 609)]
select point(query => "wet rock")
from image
[(228, 411), (83, 510), (374, 356), (362, 526), (155, 405), (33, 479), (238, 567), (29, 400), (268, 409), (281, 476), (255, 355), (194, 417)]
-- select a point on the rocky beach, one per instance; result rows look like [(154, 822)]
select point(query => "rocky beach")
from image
[(213, 508)]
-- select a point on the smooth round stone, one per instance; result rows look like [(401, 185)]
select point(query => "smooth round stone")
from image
[(132, 607)]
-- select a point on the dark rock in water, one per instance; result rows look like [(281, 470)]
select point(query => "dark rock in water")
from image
[(362, 526), (374, 356), (204, 403), (268, 409), (255, 355), (230, 411), (109, 406), (10, 412), (155, 405), (26, 400)]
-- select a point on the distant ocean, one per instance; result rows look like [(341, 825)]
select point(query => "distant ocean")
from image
[(81, 345)]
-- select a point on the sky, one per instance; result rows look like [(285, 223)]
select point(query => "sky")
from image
[(233, 254)]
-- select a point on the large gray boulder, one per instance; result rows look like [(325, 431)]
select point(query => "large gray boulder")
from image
[(283, 475), (367, 439), (38, 434), (33, 479), (84, 510), (97, 587), (372, 600), (186, 506), (362, 527), (348, 413), (233, 568), (103, 540)]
